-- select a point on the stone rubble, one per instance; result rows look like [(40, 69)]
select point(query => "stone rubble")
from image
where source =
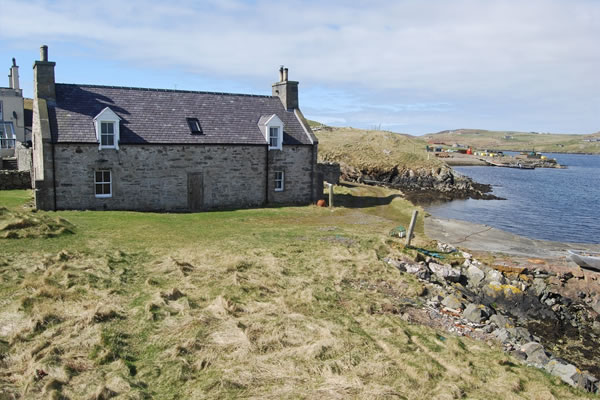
[(497, 303)]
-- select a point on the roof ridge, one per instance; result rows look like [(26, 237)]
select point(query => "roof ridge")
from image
[(165, 90)]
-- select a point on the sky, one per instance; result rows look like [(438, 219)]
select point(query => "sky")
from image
[(410, 66)]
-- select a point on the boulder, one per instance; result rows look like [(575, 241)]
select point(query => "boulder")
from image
[(475, 275), (445, 272), (520, 334), (494, 276), (476, 313), (501, 321), (596, 306), (495, 290), (563, 370), (586, 382), (453, 302), (502, 335), (535, 353), (395, 263), (419, 270)]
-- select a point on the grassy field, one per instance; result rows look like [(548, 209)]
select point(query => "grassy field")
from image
[(288, 302), (518, 141), (368, 150)]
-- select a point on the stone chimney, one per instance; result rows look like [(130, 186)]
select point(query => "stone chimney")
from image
[(13, 76), (43, 77), (286, 90)]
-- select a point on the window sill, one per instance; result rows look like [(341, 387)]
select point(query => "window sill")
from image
[(103, 196)]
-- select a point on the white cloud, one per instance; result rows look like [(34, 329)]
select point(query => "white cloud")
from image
[(540, 52)]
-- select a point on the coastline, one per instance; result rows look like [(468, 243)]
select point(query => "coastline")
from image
[(479, 237)]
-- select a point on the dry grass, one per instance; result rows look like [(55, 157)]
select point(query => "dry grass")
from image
[(373, 150), (275, 303)]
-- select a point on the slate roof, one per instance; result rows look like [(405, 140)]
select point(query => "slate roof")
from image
[(156, 116)]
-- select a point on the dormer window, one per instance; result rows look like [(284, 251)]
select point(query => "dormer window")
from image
[(272, 127), (107, 129), (194, 125)]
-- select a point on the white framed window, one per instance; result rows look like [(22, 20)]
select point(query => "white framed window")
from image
[(107, 134), (103, 183), (7, 135), (279, 181), (107, 125), (274, 137)]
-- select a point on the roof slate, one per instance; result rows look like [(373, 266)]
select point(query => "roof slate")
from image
[(156, 116)]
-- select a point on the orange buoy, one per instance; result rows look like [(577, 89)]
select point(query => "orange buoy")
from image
[(321, 203)]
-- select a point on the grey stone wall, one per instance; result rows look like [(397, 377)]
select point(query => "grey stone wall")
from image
[(23, 155), (155, 177), (296, 164), (15, 180)]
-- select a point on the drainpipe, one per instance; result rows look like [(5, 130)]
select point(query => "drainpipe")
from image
[(267, 175), (53, 173), (312, 175)]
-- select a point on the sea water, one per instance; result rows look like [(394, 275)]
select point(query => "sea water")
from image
[(552, 204)]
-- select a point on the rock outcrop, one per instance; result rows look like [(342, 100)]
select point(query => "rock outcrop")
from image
[(522, 309), (421, 185)]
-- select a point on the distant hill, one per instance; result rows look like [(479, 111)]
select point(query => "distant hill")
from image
[(518, 141)]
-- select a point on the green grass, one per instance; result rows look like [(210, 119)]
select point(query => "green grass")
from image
[(265, 303)]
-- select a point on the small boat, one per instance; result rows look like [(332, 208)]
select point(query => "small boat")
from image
[(585, 259)]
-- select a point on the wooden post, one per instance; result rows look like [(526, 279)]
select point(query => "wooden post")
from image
[(330, 195), (411, 227)]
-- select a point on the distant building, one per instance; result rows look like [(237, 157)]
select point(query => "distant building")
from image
[(12, 124)]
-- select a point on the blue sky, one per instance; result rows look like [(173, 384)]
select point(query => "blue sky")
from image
[(411, 66)]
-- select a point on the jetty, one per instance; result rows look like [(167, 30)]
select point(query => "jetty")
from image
[(507, 165)]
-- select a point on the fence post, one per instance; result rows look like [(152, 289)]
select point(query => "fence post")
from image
[(411, 227), (330, 195)]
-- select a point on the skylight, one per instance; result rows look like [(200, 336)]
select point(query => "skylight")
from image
[(194, 125)]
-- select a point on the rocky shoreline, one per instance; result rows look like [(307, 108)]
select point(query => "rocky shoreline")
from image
[(422, 185), (525, 310)]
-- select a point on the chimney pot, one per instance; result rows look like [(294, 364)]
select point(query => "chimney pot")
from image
[(44, 53), (281, 74), (285, 74), (14, 62)]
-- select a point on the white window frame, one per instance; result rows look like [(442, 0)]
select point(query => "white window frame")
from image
[(103, 182), (279, 181), (107, 123), (7, 135), (276, 137), (107, 116)]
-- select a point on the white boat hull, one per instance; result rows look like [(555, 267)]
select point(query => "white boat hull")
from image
[(584, 260)]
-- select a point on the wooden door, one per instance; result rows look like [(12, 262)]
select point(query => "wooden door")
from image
[(196, 191)]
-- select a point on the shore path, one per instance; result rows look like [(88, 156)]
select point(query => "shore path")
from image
[(478, 237)]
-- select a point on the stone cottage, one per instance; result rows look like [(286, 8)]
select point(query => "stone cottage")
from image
[(122, 148)]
